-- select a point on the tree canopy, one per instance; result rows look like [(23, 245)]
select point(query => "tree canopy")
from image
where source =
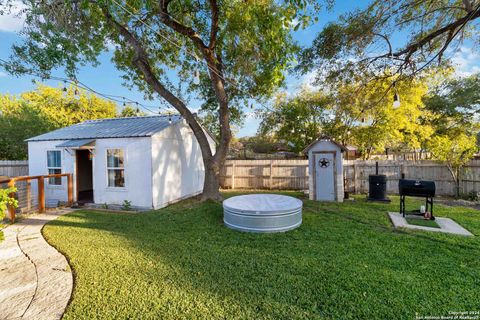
[(298, 120), (129, 111), (223, 52), (456, 102), (456, 105), (403, 38), (354, 114), (42, 110)]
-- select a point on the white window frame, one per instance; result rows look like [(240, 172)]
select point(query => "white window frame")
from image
[(114, 188), (55, 168)]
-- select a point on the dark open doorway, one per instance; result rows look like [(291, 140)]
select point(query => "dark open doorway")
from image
[(84, 177)]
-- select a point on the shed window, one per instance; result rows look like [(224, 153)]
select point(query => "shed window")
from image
[(115, 168), (54, 166)]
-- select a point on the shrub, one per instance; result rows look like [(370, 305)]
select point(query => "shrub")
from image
[(6, 200), (127, 205), (471, 196)]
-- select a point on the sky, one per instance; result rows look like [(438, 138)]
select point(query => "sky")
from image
[(105, 78)]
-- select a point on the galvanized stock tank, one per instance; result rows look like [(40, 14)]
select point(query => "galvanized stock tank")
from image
[(262, 213)]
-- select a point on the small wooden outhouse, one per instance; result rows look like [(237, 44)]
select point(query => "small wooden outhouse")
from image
[(325, 161)]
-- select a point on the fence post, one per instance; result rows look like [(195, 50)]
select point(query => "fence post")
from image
[(28, 189), (233, 174), (11, 209), (354, 177), (41, 194), (70, 189), (270, 184)]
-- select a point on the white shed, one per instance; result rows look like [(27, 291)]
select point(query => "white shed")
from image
[(325, 164), (150, 161)]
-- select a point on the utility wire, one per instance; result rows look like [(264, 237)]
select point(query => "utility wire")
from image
[(82, 85), (211, 68), (133, 15), (214, 70)]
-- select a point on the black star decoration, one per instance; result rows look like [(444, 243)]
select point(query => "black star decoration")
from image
[(324, 163)]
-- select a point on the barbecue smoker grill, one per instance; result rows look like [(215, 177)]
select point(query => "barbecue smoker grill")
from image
[(416, 188)]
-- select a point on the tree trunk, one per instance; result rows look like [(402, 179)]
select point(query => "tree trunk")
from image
[(212, 161), (211, 184), (369, 152), (456, 179), (457, 184)]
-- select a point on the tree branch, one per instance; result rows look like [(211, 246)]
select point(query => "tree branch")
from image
[(410, 49), (423, 16), (141, 62), (468, 5), (404, 55), (214, 68), (178, 27), (214, 22)]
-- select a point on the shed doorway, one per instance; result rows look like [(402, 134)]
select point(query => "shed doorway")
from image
[(325, 176), (84, 176)]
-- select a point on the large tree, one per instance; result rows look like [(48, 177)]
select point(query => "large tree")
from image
[(455, 104), (129, 111), (393, 39), (353, 114), (223, 52), (299, 120), (44, 109)]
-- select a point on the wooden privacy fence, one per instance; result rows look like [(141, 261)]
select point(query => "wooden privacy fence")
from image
[(356, 175), (293, 175), (12, 182), (13, 168), (265, 174)]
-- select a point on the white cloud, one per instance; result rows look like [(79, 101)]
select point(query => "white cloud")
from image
[(466, 62), (306, 82), (13, 20), (2, 74)]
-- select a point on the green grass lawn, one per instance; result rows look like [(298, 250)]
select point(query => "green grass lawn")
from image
[(422, 222), (344, 262)]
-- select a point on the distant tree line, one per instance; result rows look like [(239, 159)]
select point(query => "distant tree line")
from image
[(438, 113), (355, 114), (45, 109)]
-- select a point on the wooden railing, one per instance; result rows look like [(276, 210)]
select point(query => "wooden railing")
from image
[(41, 189)]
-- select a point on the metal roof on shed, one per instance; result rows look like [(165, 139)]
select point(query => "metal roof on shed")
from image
[(111, 128), (75, 143)]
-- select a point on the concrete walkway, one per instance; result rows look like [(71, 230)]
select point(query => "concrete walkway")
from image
[(35, 279)]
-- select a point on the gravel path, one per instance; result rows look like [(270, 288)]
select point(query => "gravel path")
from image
[(35, 279)]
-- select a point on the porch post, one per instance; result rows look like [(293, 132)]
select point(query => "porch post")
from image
[(41, 194), (70, 189), (11, 209)]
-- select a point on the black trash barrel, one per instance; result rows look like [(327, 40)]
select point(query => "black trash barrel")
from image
[(377, 187)]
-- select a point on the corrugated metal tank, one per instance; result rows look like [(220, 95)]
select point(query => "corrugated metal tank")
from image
[(262, 213)]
